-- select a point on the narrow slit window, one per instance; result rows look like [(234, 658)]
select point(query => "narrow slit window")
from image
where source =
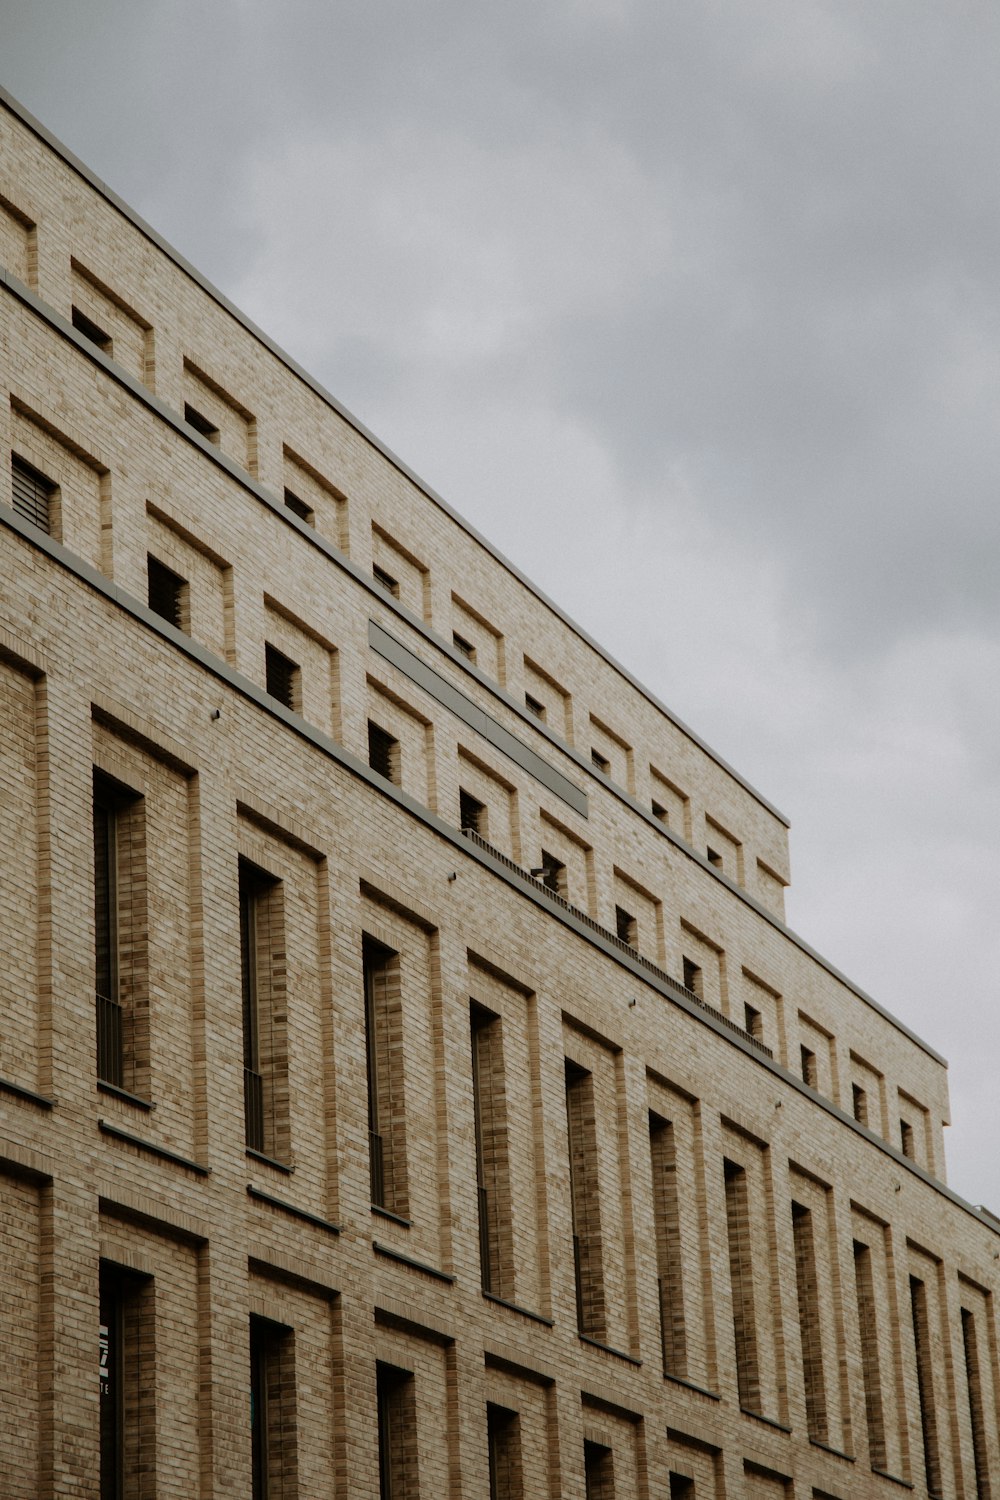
[(600, 762), (492, 1167), (272, 1410), (120, 936), (741, 1279), (859, 1103), (33, 493), (807, 1060), (167, 592), (299, 507), (384, 1062), (265, 1052), (194, 418), (925, 1384), (463, 647), (91, 331), (906, 1140), (588, 1252), (977, 1408), (753, 1022), (599, 1471), (693, 978), (397, 1433), (385, 580), (666, 1214), (864, 1284), (659, 811), (810, 1333), (714, 858), (503, 1430), (534, 707)]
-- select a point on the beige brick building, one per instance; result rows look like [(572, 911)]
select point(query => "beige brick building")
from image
[(408, 1084)]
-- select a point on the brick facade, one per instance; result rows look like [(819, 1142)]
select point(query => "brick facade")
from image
[(616, 1243)]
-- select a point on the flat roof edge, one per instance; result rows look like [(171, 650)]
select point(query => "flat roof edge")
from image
[(35, 125)]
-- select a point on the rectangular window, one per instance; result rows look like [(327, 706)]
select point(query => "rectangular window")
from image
[(534, 707), (600, 762), (588, 1260), (472, 814), (693, 978), (397, 1434), (33, 493), (385, 580), (868, 1327), (464, 647), (925, 1384), (299, 507), (977, 1409), (383, 753), (274, 1460), (599, 1471), (265, 1054), (753, 1022), (714, 858), (807, 1289), (91, 331), (283, 678), (859, 1103), (741, 1278), (504, 1437), (626, 927), (383, 1051), (906, 1140), (492, 1168), (127, 1377), (681, 1487), (666, 1215), (202, 424), (120, 961), (167, 592), (807, 1060), (659, 811), (553, 873)]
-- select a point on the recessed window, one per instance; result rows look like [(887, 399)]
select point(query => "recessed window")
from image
[(906, 1140), (299, 507), (534, 707), (714, 858), (807, 1059), (194, 418), (282, 677), (383, 752), (385, 580), (33, 493), (659, 811), (553, 873), (167, 592), (91, 331), (466, 648), (600, 761), (693, 978), (625, 927), (753, 1022), (859, 1103), (472, 813)]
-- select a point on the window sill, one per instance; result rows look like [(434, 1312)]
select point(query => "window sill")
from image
[(270, 1161), (607, 1349), (758, 1416), (289, 1208), (524, 1311), (825, 1448), (386, 1213), (408, 1260), (7, 1086), (163, 1152), (893, 1478), (115, 1092), (689, 1385)]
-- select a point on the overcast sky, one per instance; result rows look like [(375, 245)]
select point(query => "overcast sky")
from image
[(694, 310)]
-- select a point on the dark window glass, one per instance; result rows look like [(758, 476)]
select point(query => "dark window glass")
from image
[(299, 507), (166, 592), (383, 752), (390, 584), (466, 648), (91, 331), (534, 706), (281, 676), (472, 813), (32, 493), (201, 424)]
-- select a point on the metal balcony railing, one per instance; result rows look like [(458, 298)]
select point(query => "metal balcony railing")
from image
[(253, 1106), (110, 1047)]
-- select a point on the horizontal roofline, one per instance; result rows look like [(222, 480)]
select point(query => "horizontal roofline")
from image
[(28, 119)]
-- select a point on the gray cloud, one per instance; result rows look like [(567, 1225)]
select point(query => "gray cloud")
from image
[(694, 310)]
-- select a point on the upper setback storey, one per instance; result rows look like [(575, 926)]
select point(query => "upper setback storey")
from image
[(360, 601)]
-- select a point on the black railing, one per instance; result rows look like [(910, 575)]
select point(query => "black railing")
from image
[(485, 1260), (377, 1165), (110, 1046), (253, 1107)]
